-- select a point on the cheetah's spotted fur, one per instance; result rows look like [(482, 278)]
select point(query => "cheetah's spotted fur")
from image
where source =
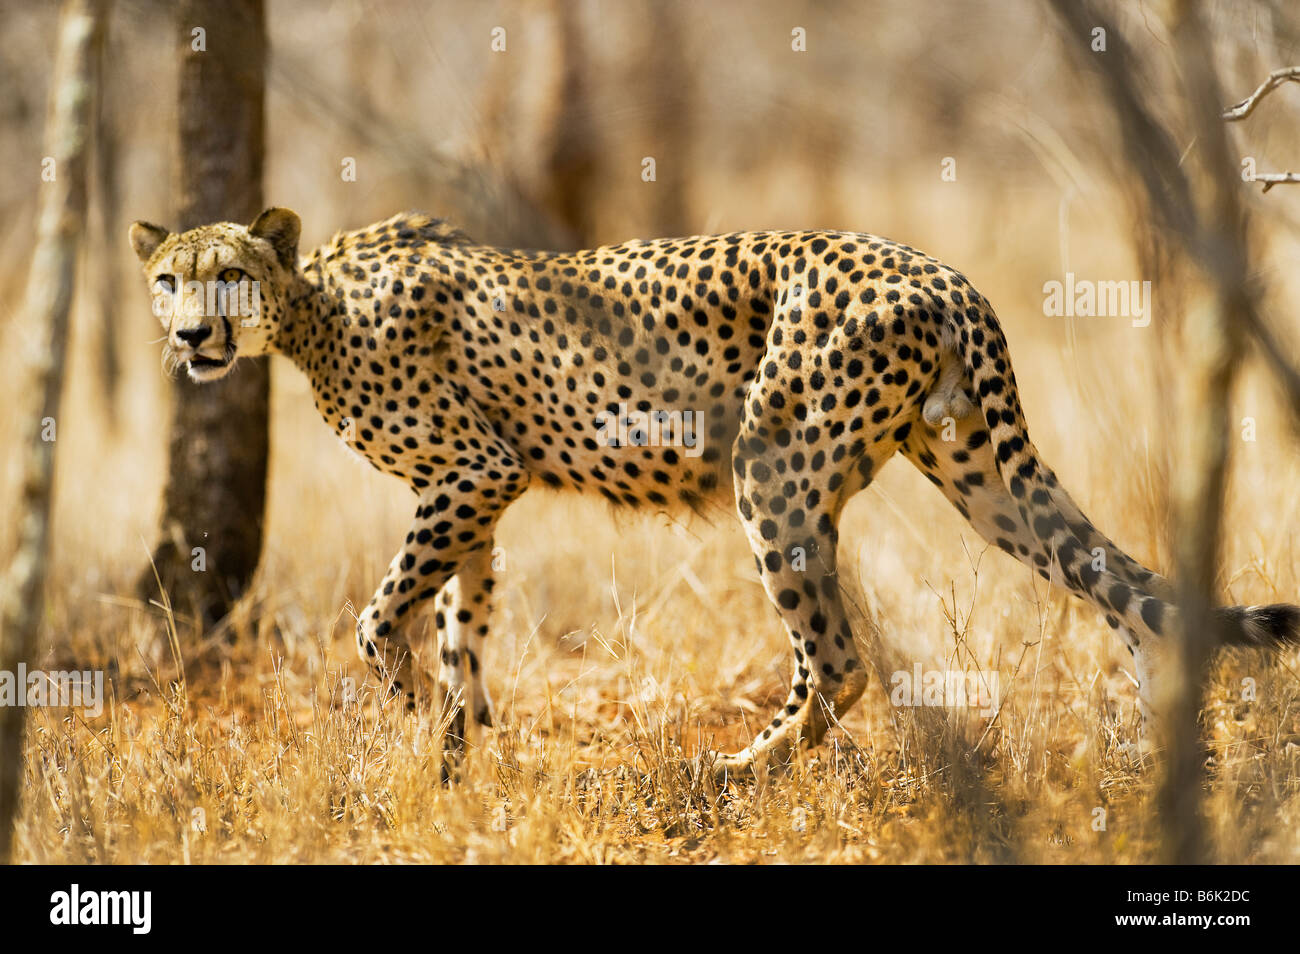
[(470, 372)]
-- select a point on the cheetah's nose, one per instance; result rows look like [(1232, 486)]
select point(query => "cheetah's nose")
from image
[(194, 336)]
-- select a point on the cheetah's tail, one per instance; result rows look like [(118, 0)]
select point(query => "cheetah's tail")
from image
[(1269, 627), (1124, 589)]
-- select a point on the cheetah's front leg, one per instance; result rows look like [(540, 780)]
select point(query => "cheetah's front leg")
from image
[(452, 530), (464, 608)]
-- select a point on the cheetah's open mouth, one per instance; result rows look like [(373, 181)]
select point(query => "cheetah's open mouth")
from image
[(203, 368), (206, 367)]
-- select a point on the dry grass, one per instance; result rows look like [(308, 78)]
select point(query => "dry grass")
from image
[(623, 647)]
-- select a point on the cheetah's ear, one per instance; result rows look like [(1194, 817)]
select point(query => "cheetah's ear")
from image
[(145, 239), (281, 228)]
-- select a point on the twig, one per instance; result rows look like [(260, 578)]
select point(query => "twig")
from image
[(1271, 179), (1287, 74)]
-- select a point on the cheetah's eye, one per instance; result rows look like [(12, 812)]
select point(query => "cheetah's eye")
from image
[(162, 285), (232, 275)]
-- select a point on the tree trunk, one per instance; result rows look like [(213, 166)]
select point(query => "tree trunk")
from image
[(1215, 329), (572, 161), (61, 223), (211, 530), (106, 250), (667, 76)]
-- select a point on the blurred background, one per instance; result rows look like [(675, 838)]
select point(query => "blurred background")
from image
[(966, 129)]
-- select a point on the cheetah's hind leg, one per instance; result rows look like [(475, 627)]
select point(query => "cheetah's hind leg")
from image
[(793, 534)]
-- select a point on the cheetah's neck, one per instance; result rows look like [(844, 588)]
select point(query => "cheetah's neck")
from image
[(307, 324)]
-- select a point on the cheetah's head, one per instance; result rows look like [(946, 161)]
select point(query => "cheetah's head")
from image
[(219, 290)]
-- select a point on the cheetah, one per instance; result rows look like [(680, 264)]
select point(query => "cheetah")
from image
[(803, 361)]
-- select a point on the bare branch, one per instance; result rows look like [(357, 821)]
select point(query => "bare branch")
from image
[(1148, 144), (1271, 179), (1286, 372), (1287, 74)]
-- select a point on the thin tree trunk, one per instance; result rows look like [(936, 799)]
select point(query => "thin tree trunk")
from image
[(1201, 479), (668, 76), (1202, 214), (211, 530), (572, 163), (107, 250), (61, 222)]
